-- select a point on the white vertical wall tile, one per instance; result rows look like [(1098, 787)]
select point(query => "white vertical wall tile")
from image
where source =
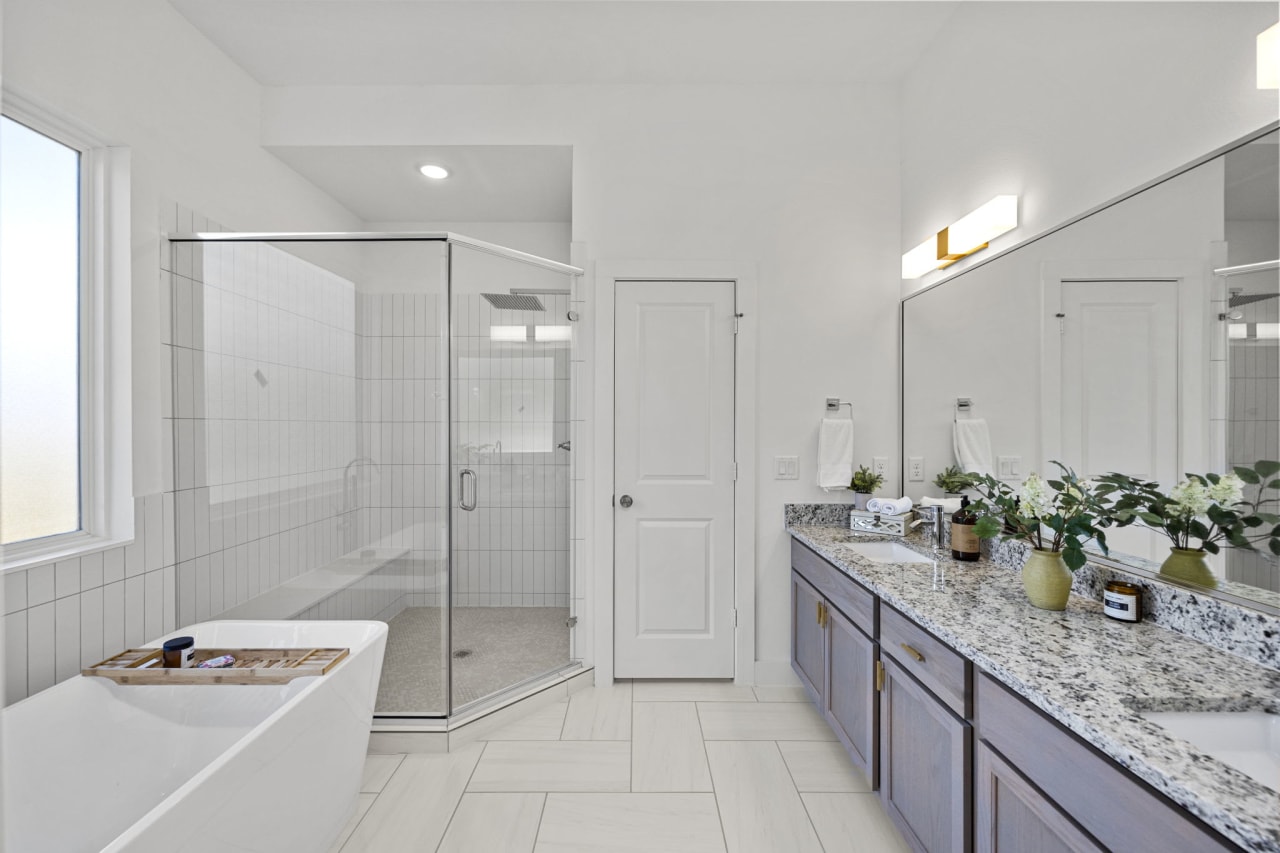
[(15, 657), (40, 584), (67, 640), (113, 610), (113, 565), (41, 635), (153, 605), (91, 571), (15, 591), (91, 627), (66, 577)]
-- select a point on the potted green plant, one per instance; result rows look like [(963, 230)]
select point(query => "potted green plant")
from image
[(864, 485), (1200, 512), (953, 480), (1055, 517)]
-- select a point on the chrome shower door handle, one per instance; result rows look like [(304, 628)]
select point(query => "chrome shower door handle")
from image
[(463, 503)]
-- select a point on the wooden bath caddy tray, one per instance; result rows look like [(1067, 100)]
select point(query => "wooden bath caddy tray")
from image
[(252, 666)]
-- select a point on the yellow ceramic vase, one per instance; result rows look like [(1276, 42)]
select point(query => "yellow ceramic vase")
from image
[(1188, 566), (1047, 580)]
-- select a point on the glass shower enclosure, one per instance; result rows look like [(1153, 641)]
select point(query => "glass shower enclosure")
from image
[(377, 426)]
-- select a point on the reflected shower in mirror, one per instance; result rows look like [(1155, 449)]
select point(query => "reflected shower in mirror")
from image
[(1142, 338)]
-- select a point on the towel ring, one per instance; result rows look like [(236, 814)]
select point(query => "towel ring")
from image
[(834, 404), (964, 405)]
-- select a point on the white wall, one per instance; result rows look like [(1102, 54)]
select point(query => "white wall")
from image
[(802, 181), (139, 75), (1069, 105)]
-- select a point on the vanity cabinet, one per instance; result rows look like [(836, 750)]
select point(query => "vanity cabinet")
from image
[(926, 743), (1109, 805), (808, 639), (962, 762), (1013, 816), (834, 653)]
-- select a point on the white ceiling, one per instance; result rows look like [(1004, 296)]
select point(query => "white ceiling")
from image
[(487, 183), (372, 42)]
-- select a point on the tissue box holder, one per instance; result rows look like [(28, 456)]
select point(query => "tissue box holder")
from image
[(874, 522)]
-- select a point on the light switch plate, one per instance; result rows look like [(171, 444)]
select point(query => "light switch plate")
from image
[(880, 466), (1010, 467), (915, 469), (786, 467)]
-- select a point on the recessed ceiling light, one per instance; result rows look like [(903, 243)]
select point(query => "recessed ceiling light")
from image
[(434, 172)]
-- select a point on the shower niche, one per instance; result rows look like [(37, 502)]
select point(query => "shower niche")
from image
[(379, 426)]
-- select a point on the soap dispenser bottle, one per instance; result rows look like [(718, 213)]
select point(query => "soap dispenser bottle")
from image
[(964, 542)]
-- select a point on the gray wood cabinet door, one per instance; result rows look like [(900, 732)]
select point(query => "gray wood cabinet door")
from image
[(851, 706), (1012, 816), (925, 754), (808, 639)]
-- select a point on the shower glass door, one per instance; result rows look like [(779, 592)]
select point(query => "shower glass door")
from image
[(511, 342)]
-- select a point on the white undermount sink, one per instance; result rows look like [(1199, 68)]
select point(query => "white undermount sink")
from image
[(886, 552), (1249, 741)]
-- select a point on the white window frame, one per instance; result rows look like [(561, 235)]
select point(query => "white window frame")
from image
[(106, 364)]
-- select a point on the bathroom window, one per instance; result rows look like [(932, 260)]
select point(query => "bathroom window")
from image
[(65, 461)]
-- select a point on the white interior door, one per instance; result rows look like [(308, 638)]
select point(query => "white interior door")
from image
[(1120, 388), (674, 480)]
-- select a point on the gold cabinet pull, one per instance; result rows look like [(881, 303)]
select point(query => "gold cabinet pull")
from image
[(824, 619), (879, 676), (819, 616), (913, 652)]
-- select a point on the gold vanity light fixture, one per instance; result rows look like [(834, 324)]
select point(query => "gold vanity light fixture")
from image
[(970, 233), (1269, 57)]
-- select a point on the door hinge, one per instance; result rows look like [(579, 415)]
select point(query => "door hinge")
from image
[(735, 617), (736, 324), (735, 472), (1062, 324), (879, 676)]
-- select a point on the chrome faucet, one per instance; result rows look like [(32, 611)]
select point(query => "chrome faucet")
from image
[(933, 517)]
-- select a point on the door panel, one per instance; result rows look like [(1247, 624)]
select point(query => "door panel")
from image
[(674, 462), (850, 702), (808, 640), (1120, 387), (1012, 816), (924, 765)]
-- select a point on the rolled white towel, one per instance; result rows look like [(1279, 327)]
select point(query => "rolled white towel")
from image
[(897, 506), (873, 505), (947, 504)]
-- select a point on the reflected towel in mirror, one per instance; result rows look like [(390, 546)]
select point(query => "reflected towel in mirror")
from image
[(972, 445)]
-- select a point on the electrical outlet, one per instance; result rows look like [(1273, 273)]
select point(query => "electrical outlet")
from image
[(915, 469), (786, 467), (1010, 467), (880, 466)]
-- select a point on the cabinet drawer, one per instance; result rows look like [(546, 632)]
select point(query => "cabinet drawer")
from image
[(845, 594), (933, 662), (1116, 808)]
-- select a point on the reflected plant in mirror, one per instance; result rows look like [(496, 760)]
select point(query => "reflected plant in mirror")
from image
[(953, 480), (1200, 512)]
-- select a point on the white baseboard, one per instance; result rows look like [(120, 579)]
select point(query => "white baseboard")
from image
[(775, 673)]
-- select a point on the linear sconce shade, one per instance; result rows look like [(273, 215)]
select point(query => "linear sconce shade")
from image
[(921, 259), (968, 234), (1269, 58)]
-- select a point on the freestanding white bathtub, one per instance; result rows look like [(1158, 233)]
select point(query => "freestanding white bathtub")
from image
[(93, 765)]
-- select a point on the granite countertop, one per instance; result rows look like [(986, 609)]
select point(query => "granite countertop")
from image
[(1090, 673)]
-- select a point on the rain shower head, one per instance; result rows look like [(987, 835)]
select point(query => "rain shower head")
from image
[(1238, 299), (514, 302)]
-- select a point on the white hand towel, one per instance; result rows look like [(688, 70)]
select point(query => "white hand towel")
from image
[(835, 453), (949, 505), (873, 505), (897, 506), (972, 445)]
